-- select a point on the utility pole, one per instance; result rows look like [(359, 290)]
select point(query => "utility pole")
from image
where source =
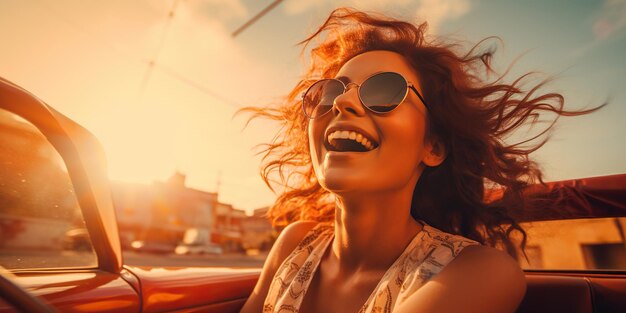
[(218, 183)]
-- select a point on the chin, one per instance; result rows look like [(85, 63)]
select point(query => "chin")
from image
[(341, 181)]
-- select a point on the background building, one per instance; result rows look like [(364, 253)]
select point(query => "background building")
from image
[(257, 231), (576, 244), (160, 214)]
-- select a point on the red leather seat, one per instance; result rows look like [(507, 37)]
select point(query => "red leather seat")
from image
[(574, 294)]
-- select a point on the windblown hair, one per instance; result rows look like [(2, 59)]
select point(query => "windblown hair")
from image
[(469, 112)]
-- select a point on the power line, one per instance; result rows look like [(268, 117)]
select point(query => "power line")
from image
[(152, 64), (153, 60), (256, 17), (172, 73), (128, 54)]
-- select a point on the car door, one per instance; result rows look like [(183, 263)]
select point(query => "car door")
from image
[(57, 228)]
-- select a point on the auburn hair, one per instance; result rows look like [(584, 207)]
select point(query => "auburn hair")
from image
[(471, 110)]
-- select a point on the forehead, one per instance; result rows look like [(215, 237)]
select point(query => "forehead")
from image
[(366, 64)]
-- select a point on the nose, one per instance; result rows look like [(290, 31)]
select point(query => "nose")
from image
[(349, 102)]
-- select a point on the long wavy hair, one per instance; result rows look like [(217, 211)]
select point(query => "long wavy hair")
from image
[(471, 110)]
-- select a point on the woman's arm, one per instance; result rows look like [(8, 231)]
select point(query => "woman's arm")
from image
[(286, 242), (479, 280)]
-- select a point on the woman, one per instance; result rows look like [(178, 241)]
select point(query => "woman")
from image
[(386, 160)]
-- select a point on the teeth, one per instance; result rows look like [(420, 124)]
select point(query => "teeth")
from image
[(352, 135)]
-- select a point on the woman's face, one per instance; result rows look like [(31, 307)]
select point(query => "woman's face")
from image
[(400, 147)]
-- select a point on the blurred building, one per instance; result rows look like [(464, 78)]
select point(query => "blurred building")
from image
[(227, 227), (257, 231), (576, 244), (163, 211)]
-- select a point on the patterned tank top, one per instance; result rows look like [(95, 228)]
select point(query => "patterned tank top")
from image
[(425, 256)]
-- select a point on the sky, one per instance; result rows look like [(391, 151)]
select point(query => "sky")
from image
[(160, 90)]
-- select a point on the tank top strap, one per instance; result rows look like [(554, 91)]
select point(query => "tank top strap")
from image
[(429, 252), (293, 277)]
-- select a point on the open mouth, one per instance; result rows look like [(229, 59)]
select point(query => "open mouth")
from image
[(349, 141)]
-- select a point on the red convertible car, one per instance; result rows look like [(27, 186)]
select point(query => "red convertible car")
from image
[(53, 179)]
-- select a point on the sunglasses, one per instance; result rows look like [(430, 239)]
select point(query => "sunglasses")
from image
[(379, 93)]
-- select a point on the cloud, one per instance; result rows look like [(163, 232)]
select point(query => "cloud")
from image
[(437, 11), (610, 20)]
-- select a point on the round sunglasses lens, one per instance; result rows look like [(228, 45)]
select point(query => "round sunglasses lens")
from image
[(383, 92), (320, 96)]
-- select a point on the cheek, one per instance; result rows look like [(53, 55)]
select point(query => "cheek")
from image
[(315, 133), (406, 129), (405, 142), (405, 154)]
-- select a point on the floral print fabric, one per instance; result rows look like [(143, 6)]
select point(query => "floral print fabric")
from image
[(425, 256)]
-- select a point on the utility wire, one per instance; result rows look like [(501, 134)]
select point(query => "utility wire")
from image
[(155, 57), (172, 73), (256, 17), (128, 54)]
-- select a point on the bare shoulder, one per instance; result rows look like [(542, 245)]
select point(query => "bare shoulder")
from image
[(496, 268), (479, 279), (488, 259), (286, 242), (290, 237)]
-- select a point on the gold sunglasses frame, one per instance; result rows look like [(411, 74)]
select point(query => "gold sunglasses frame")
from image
[(346, 88)]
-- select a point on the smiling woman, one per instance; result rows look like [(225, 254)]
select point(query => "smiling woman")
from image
[(387, 162)]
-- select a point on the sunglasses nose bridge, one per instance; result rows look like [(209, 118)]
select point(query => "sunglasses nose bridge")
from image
[(349, 101), (348, 86)]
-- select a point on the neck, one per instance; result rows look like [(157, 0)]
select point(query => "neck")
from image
[(372, 231)]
